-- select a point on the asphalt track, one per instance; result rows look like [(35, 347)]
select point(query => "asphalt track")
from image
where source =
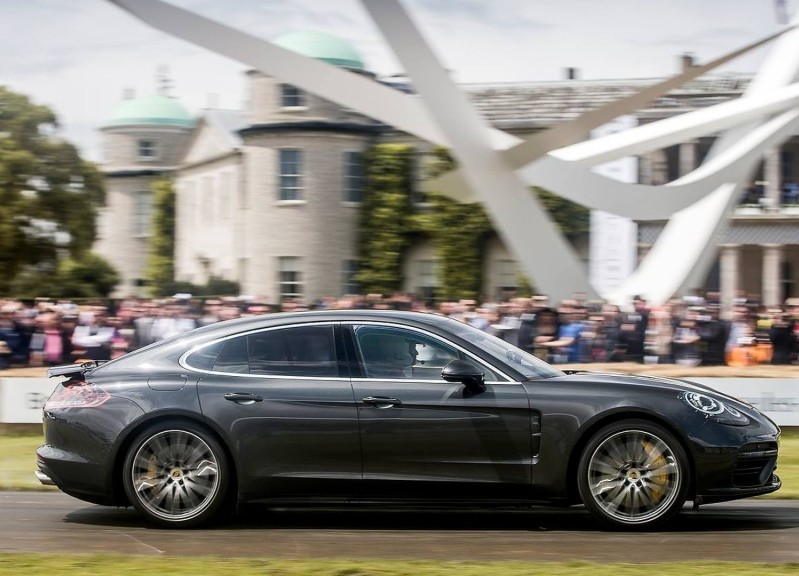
[(752, 530)]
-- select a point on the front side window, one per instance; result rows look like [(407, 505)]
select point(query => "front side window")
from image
[(308, 351), (505, 353), (353, 177), (290, 277), (148, 150), (290, 174), (291, 96), (399, 353)]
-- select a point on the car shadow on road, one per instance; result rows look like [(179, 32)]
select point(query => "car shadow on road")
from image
[(257, 516)]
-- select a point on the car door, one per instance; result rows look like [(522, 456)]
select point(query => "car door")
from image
[(281, 399), (425, 438)]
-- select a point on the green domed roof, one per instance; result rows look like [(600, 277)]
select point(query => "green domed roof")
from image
[(156, 109), (322, 46)]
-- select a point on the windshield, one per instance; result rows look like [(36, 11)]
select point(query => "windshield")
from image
[(505, 353)]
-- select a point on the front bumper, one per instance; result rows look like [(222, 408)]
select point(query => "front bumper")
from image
[(727, 494)]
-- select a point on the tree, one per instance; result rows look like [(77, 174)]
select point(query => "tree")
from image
[(48, 194), (89, 276), (161, 256)]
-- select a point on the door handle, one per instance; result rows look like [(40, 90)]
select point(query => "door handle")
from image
[(382, 401), (243, 397)]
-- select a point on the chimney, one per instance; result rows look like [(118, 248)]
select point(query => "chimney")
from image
[(571, 73), (686, 61)]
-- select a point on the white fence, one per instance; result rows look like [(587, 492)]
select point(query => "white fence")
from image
[(21, 399)]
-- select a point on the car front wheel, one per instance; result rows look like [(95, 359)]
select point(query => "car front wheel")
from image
[(633, 475), (176, 475)]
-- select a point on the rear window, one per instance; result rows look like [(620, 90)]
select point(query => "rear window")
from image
[(295, 351)]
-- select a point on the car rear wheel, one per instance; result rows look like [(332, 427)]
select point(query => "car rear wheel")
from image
[(176, 475), (633, 475)]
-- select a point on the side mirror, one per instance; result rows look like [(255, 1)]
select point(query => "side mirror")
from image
[(466, 373)]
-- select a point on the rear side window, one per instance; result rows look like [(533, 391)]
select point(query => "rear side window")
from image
[(297, 351)]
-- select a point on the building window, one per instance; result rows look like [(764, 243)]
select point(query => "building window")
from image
[(207, 199), (290, 174), (353, 177), (507, 280), (142, 212), (419, 165), (350, 284), (787, 280), (427, 279), (291, 96), (290, 277), (148, 150)]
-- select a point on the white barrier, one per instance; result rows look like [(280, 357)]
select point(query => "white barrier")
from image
[(21, 399)]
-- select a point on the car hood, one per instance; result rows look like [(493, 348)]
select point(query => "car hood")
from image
[(675, 384)]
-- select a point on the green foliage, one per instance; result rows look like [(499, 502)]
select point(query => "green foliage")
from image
[(383, 229), (160, 271), (216, 286), (88, 276), (48, 194), (572, 219), (85, 276), (458, 232)]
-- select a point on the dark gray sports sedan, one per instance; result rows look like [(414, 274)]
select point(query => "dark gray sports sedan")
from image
[(392, 408)]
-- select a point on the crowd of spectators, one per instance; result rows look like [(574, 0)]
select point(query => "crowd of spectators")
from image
[(688, 331)]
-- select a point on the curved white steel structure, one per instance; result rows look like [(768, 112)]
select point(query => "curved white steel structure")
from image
[(497, 167)]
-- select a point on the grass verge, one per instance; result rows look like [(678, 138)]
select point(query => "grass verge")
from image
[(18, 462), (73, 565)]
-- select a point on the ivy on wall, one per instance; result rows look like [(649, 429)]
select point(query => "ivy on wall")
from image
[(458, 232), (388, 225), (383, 229)]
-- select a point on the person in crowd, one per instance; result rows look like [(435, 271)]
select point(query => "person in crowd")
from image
[(685, 343), (633, 330), (740, 349), (92, 341), (566, 347), (713, 333), (659, 335), (783, 335)]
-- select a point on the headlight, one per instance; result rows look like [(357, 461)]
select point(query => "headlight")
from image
[(715, 409)]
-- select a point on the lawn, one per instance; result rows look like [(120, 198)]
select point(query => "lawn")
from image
[(18, 458), (74, 565)]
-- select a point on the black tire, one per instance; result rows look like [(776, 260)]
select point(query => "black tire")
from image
[(176, 475), (633, 475)]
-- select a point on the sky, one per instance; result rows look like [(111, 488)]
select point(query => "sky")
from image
[(79, 56)]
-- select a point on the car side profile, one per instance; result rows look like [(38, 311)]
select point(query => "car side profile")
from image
[(392, 408)]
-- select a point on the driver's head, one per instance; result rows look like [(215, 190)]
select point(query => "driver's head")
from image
[(399, 351)]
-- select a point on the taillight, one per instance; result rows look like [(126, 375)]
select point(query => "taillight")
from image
[(76, 396)]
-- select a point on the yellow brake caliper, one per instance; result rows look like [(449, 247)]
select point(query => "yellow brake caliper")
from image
[(661, 477)]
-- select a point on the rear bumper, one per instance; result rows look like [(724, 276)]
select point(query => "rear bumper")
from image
[(44, 478)]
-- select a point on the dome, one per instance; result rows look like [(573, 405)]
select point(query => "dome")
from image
[(156, 110), (322, 46)]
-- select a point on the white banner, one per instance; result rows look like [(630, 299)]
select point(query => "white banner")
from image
[(613, 239), (22, 399), (777, 398)]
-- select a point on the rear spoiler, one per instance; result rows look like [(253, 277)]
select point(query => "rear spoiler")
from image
[(74, 370)]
